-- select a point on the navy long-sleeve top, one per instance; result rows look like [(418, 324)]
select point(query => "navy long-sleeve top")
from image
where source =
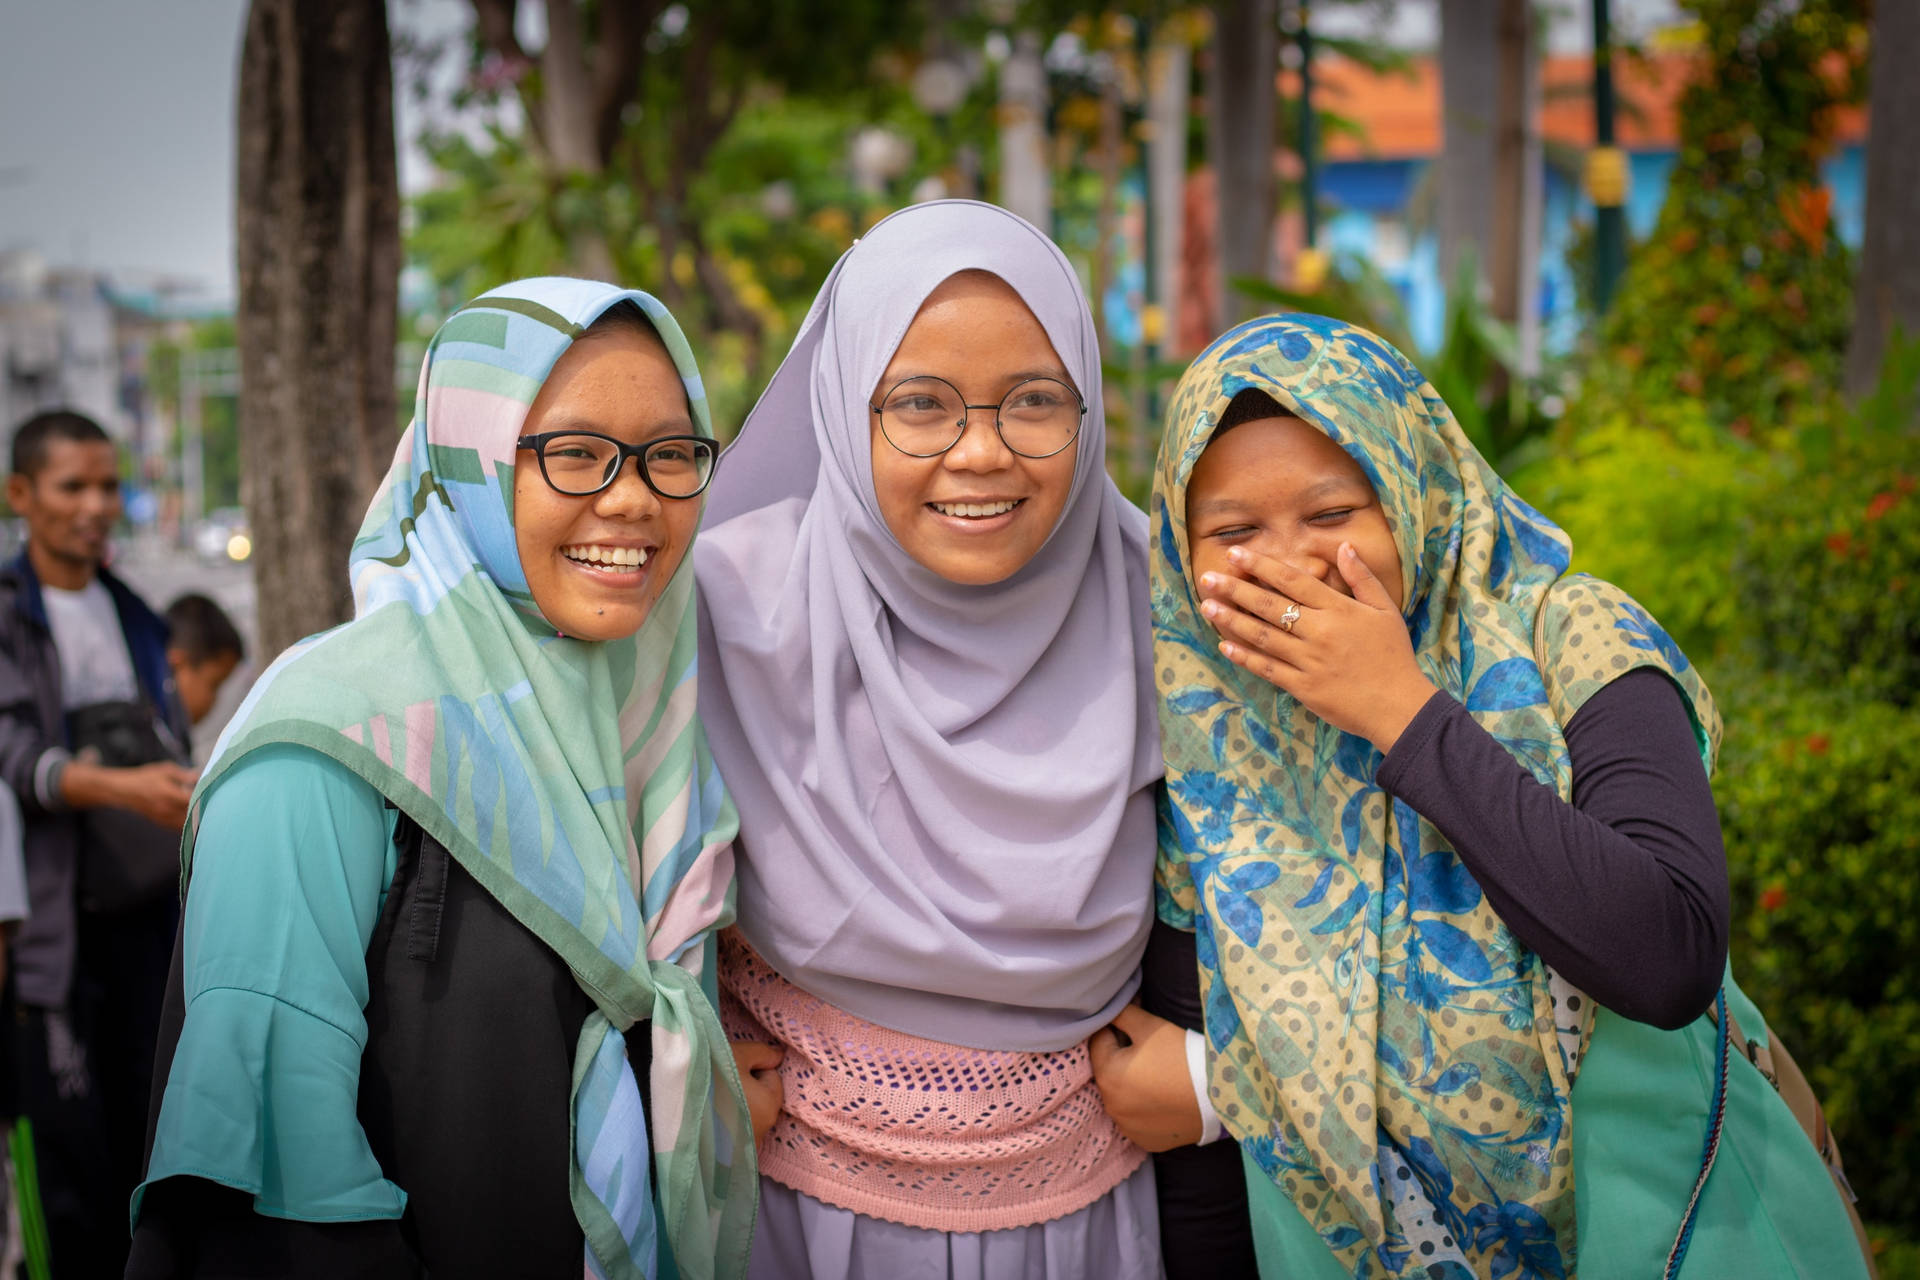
[(1624, 890)]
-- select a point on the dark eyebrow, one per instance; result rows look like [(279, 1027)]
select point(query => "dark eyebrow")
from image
[(1332, 484), (1058, 375), (1214, 506), (1313, 493), (679, 425)]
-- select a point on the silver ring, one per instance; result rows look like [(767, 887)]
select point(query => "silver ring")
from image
[(1291, 616)]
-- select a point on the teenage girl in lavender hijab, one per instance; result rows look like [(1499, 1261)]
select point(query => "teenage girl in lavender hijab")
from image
[(926, 674)]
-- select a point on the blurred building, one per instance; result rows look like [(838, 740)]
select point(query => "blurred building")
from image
[(1375, 180), (78, 339)]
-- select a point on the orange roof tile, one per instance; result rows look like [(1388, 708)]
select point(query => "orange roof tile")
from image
[(1397, 113)]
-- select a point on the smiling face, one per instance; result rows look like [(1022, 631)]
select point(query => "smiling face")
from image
[(1280, 487), (596, 564), (69, 505), (979, 512)]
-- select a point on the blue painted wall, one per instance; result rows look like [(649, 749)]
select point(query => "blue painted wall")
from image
[(1368, 198)]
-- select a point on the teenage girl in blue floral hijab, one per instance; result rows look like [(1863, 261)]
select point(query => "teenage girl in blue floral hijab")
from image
[(1438, 818)]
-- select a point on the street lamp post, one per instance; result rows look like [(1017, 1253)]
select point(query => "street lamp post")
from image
[(1606, 170)]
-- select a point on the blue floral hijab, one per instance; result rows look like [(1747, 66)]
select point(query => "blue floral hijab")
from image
[(1379, 1042)]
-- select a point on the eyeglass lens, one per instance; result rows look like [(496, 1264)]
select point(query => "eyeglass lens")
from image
[(925, 416), (582, 464)]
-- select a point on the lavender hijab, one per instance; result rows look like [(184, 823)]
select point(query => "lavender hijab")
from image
[(945, 791)]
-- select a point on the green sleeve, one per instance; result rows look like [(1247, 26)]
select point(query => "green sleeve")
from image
[(290, 870)]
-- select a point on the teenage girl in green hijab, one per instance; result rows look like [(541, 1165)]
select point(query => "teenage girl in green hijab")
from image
[(443, 1001)]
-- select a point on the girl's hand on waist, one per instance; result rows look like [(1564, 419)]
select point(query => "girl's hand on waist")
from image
[(1347, 659), (759, 1066), (1144, 1082)]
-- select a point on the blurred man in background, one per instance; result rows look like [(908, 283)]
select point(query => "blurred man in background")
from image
[(91, 743)]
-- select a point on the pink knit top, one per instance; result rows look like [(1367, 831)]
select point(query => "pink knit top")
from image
[(916, 1131)]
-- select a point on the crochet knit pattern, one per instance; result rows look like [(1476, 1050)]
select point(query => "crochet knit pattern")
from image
[(916, 1131)]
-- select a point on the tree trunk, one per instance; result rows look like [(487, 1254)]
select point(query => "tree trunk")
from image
[(1168, 81), (1026, 186), (1470, 108), (1888, 292), (1512, 130), (1240, 141), (319, 259), (1109, 208)]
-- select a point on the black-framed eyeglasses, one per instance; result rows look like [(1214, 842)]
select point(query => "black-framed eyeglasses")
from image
[(925, 416), (582, 462)]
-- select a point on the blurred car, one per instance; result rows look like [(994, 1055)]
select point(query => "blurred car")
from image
[(223, 535)]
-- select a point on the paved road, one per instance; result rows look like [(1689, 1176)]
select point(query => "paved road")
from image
[(160, 572)]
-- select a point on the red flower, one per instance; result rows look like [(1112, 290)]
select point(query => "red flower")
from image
[(1772, 897), (1839, 542), (1881, 504), (1817, 743)]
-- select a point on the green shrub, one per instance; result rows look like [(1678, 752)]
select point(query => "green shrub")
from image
[(1655, 502), (1820, 804), (1741, 298), (1827, 585)]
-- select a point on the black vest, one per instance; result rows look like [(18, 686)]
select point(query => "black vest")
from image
[(472, 1023)]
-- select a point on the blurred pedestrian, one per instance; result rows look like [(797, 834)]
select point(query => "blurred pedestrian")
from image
[(85, 693), (203, 649)]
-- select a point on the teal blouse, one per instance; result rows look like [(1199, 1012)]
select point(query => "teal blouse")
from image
[(290, 870)]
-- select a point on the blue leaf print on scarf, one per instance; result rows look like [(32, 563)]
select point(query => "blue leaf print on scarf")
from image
[(1219, 740), (1521, 1238), (1254, 875), (1351, 815), (1344, 913), (1454, 1080), (1427, 989), (1438, 881), (1194, 700), (1213, 798), (1342, 1236), (1220, 1018), (1184, 836), (1241, 913), (1356, 757), (1390, 1059), (1168, 550), (1319, 890), (1263, 739), (1536, 542), (1456, 949), (1500, 563), (1643, 632), (1507, 685)]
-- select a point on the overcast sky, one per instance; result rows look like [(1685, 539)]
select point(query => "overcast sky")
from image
[(116, 123)]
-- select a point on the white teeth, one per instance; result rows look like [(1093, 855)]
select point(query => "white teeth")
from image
[(974, 510), (618, 557)]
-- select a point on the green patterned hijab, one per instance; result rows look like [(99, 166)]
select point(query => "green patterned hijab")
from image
[(1379, 1042), (571, 778)]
